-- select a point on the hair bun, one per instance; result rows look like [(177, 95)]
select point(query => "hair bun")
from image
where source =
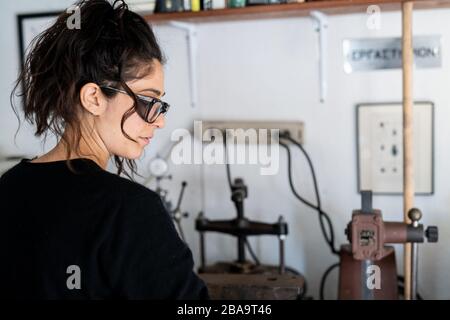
[(120, 7)]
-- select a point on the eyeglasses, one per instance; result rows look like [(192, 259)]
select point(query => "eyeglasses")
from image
[(148, 108)]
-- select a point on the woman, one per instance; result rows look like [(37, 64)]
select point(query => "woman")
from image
[(70, 229)]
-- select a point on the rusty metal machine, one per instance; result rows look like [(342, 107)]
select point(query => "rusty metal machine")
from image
[(367, 266), (242, 279)]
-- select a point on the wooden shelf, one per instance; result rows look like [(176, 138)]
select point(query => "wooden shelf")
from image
[(330, 7)]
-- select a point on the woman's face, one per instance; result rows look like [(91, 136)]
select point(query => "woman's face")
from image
[(108, 123)]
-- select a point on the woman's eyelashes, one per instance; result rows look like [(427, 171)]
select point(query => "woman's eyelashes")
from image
[(146, 96)]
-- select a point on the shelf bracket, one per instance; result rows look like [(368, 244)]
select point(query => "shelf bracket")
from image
[(321, 25), (191, 38)]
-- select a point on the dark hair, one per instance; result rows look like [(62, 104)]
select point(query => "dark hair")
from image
[(113, 45)]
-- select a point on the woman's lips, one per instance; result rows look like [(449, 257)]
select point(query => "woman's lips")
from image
[(146, 140)]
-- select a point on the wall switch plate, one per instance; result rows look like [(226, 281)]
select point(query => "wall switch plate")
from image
[(295, 128), (380, 147)]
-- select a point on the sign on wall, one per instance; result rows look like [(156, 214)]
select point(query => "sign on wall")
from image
[(386, 53)]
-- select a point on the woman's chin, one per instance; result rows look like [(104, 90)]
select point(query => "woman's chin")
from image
[(132, 154), (136, 154)]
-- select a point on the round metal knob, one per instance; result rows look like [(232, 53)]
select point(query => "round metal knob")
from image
[(432, 234), (415, 214)]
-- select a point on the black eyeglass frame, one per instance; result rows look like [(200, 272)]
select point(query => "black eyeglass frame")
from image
[(149, 101)]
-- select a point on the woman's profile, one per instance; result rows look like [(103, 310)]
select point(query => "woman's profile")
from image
[(70, 229)]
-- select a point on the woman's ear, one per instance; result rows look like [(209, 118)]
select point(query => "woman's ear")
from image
[(92, 99)]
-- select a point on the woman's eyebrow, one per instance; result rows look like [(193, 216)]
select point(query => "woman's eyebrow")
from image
[(155, 91)]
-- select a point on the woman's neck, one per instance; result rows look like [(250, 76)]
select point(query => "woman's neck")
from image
[(89, 147)]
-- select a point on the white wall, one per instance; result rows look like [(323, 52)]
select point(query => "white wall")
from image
[(268, 70)]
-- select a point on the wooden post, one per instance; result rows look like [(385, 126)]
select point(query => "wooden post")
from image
[(408, 165)]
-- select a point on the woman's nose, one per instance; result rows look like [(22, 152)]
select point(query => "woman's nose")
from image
[(160, 122)]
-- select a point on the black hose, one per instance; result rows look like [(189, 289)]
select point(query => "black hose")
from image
[(324, 278), (252, 253), (227, 164), (228, 169), (329, 238)]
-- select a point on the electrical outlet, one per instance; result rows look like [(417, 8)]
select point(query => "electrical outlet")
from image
[(380, 146), (295, 128)]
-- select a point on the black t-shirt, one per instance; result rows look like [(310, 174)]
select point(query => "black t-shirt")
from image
[(90, 235)]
